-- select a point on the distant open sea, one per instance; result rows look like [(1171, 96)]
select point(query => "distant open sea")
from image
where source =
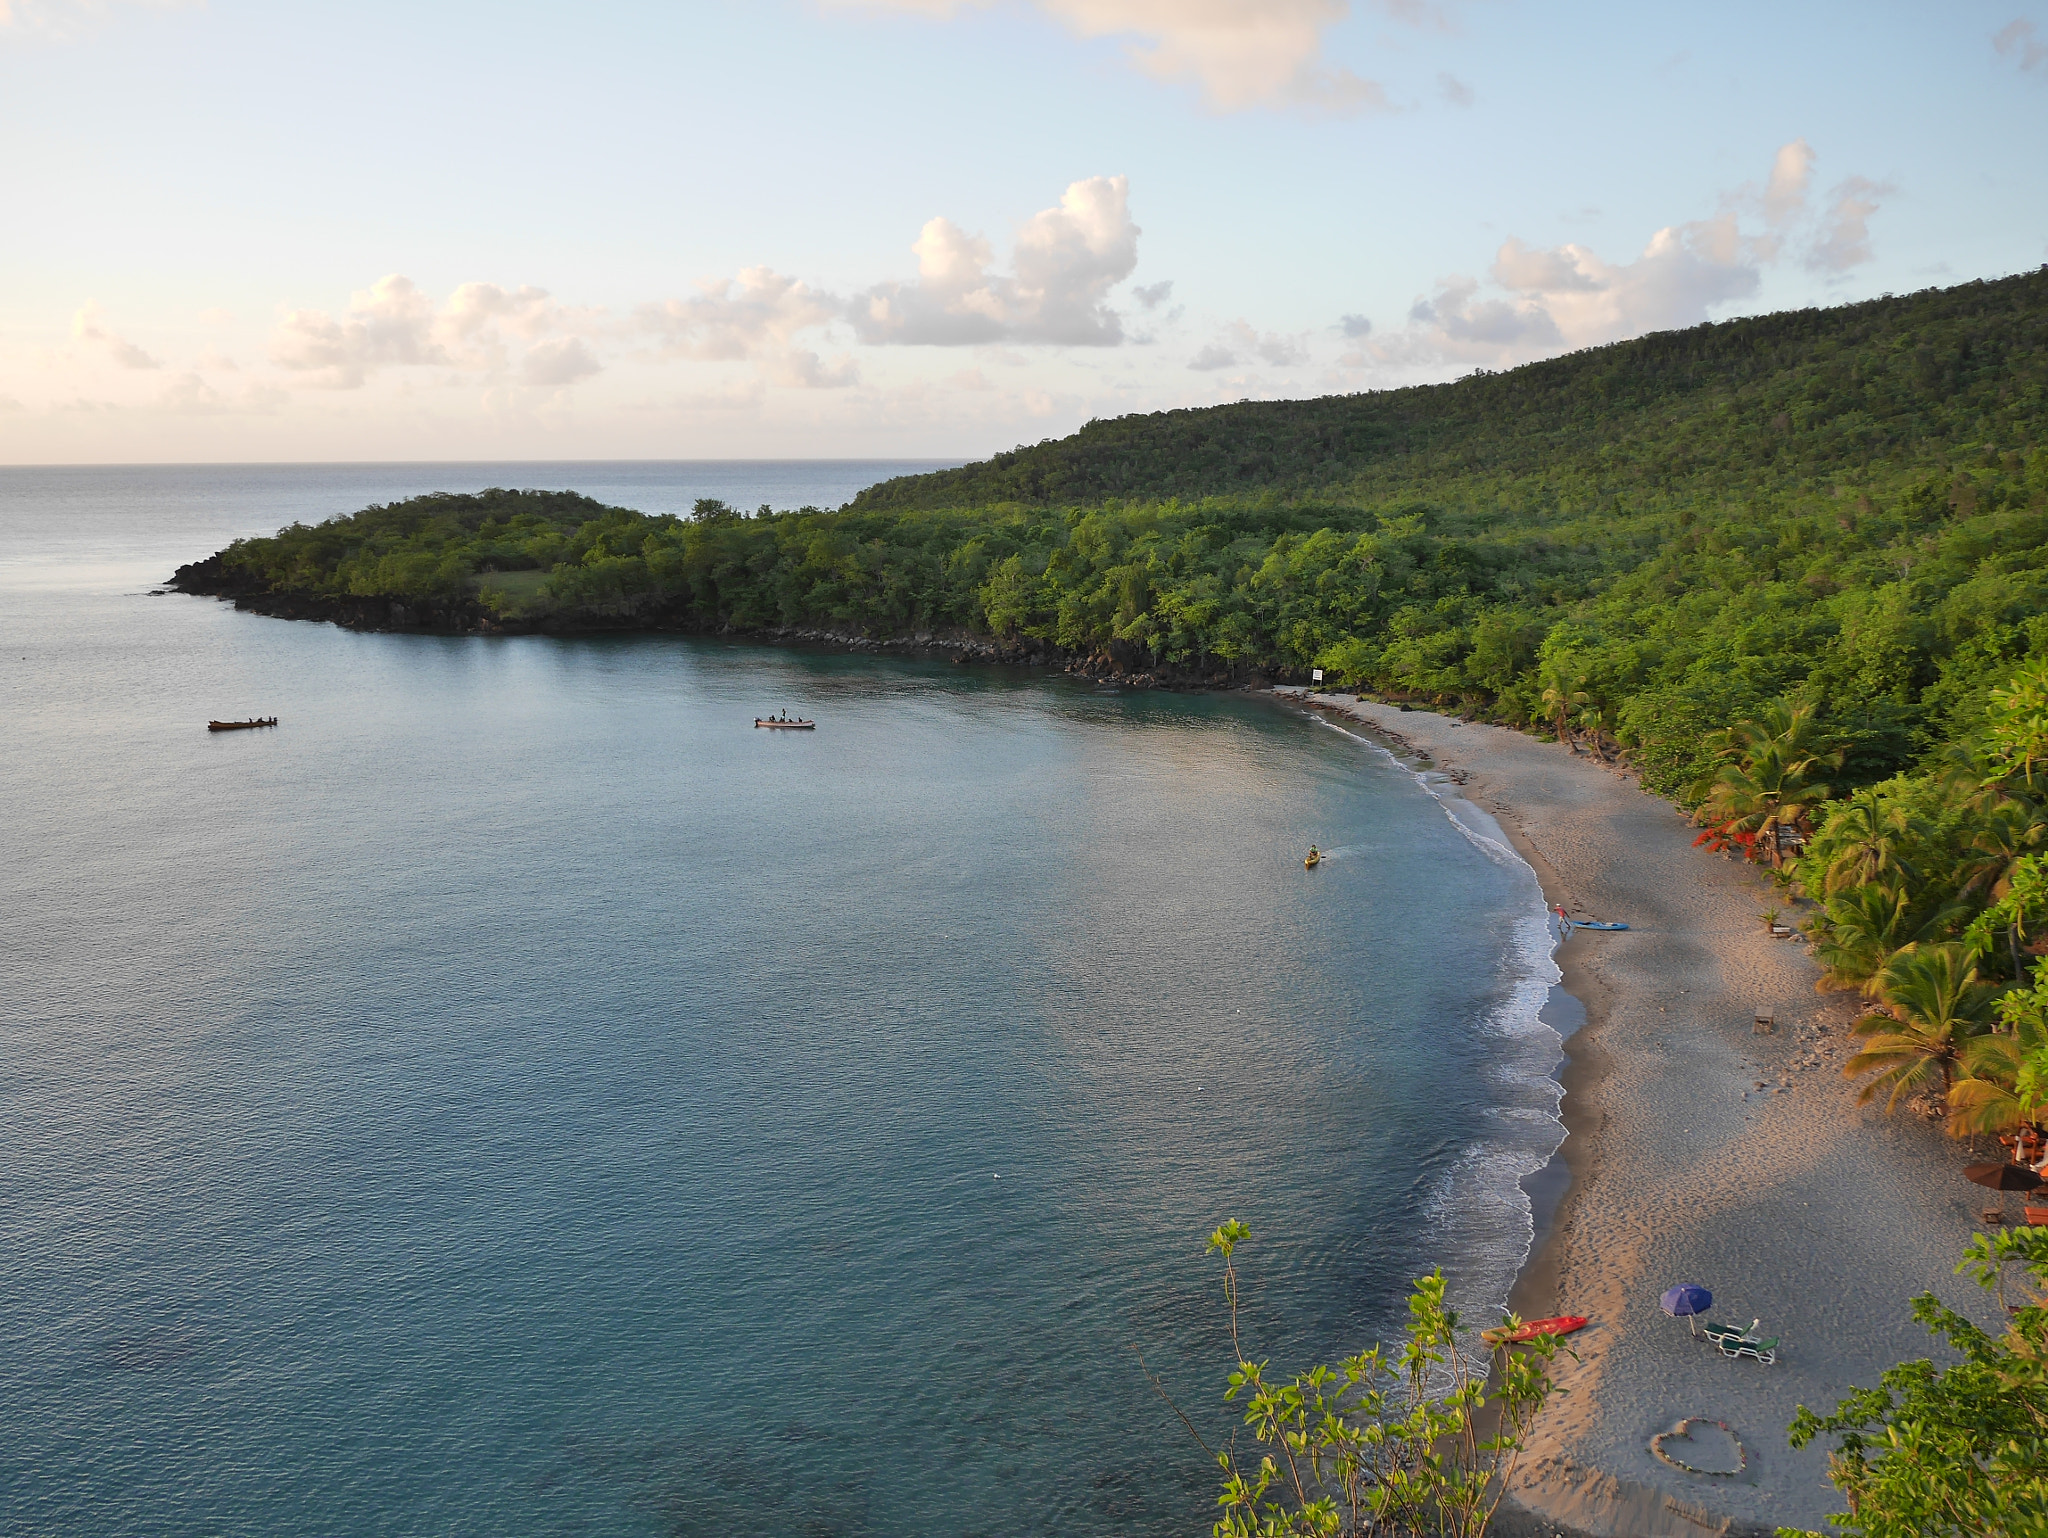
[(515, 1096)]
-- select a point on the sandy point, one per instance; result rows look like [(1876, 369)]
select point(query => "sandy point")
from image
[(1699, 1151)]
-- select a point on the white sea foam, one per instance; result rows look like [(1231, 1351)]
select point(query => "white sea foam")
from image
[(1478, 1205)]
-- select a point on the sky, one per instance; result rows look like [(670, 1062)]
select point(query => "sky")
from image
[(281, 230)]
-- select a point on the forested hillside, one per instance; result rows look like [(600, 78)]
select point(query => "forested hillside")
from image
[(1758, 402), (1639, 544)]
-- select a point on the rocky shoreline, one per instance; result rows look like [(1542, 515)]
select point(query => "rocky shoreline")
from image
[(1121, 663)]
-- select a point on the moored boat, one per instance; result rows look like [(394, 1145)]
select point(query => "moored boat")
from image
[(1562, 1324), (240, 726)]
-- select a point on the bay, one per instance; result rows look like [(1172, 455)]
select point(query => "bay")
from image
[(516, 1096)]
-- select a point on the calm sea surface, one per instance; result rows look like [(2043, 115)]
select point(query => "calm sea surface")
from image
[(515, 1096)]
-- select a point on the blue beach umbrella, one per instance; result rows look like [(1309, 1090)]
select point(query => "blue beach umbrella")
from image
[(1686, 1301)]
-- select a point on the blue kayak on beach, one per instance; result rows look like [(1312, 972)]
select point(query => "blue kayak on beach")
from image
[(1586, 924)]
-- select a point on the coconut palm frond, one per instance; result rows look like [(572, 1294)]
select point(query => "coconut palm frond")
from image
[(1938, 1007), (1982, 1105), (1935, 987), (1862, 843), (2011, 830), (1898, 1063), (1860, 932)]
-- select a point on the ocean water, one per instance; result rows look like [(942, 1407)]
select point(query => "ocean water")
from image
[(515, 1096)]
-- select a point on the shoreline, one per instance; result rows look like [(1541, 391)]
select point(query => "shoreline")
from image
[(1121, 664), (1694, 1150)]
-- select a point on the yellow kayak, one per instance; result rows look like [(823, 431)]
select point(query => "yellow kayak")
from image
[(1314, 859)]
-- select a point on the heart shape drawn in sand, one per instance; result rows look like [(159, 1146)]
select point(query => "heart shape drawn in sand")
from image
[(1710, 1454)]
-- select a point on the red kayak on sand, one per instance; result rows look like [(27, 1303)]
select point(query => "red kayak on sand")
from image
[(1563, 1324)]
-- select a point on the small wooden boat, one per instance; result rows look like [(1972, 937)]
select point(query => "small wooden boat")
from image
[(240, 726), (1562, 1324), (1595, 924), (1313, 859), (787, 726)]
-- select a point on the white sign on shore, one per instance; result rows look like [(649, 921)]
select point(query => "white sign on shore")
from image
[(1315, 675)]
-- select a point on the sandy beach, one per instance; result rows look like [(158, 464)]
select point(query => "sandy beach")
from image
[(1791, 1203)]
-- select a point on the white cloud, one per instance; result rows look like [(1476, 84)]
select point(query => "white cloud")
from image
[(1153, 295), (1785, 192), (1240, 53), (1547, 299), (475, 310), (1064, 263), (1241, 344), (1354, 326), (189, 395), (1570, 297), (394, 323), (801, 370), (390, 322), (2017, 41), (1065, 260), (1455, 324), (756, 316), (748, 316), (88, 326), (744, 395), (560, 362), (1844, 238)]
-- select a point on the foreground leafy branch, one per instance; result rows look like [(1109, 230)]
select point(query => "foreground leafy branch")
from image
[(1961, 1451), (1417, 1442)]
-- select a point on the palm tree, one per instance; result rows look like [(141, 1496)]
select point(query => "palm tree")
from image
[(1939, 1007), (1864, 834), (1563, 700), (1794, 729), (1764, 778), (1969, 774), (1859, 933), (2011, 830), (1990, 1098), (1592, 721)]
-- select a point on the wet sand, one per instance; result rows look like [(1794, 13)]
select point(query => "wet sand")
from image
[(1789, 1202)]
